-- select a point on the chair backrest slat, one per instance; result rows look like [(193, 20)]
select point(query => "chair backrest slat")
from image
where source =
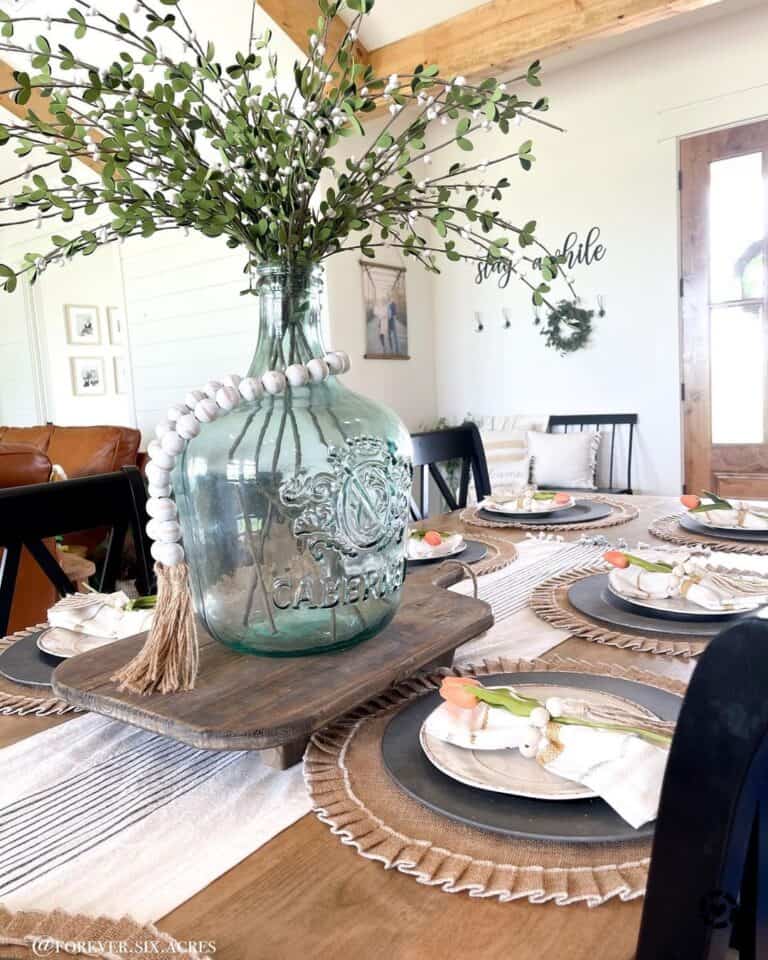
[(31, 514), (439, 446), (598, 420)]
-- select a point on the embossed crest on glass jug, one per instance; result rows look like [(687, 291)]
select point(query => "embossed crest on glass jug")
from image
[(295, 507)]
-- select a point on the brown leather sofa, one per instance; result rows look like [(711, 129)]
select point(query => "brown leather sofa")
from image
[(21, 464), (80, 451)]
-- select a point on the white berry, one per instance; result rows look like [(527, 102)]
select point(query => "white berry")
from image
[(187, 427), (539, 717), (169, 554), (274, 381), (251, 388), (297, 375), (207, 410), (530, 742)]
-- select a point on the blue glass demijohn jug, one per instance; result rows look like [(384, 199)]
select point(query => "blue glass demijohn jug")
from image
[(294, 507)]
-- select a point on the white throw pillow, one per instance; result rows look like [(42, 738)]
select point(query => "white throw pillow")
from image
[(505, 441), (564, 459)]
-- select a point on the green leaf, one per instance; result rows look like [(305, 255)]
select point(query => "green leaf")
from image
[(464, 144)]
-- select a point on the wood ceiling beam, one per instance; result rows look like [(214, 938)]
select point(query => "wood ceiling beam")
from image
[(37, 102), (493, 37), (299, 17)]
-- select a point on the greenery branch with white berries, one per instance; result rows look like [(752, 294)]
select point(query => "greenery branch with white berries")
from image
[(184, 141)]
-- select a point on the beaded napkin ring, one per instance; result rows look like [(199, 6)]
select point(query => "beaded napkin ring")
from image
[(169, 659)]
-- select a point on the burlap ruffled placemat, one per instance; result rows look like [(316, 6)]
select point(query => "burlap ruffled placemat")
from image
[(621, 513), (668, 528), (550, 603), (353, 794), (21, 701), (30, 934), (500, 554)]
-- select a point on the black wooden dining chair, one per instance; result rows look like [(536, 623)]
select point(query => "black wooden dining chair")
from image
[(462, 444), (708, 881), (600, 421), (36, 512)]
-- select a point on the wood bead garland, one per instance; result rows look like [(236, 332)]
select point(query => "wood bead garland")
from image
[(168, 660)]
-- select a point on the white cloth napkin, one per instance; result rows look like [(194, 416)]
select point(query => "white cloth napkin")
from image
[(418, 549), (748, 516), (623, 769), (100, 615), (517, 502), (694, 577)]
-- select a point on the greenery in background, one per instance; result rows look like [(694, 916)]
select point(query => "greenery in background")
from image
[(567, 327), (189, 141)]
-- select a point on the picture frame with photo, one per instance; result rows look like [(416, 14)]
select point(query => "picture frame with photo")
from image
[(116, 325), (83, 325), (88, 376), (120, 373), (386, 311)]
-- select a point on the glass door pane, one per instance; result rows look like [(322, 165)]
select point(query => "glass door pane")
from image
[(736, 231), (737, 366)]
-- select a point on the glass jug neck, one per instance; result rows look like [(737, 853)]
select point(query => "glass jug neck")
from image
[(290, 318)]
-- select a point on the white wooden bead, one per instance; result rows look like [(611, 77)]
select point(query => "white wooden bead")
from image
[(227, 398), (335, 362), (162, 428), (163, 460), (187, 427), (157, 475), (297, 375), (156, 491), (193, 398), (161, 508), (176, 411), (207, 410), (251, 388), (212, 388), (527, 751), (152, 447), (170, 554), (274, 381), (529, 744), (167, 531), (232, 380), (152, 528), (172, 443), (539, 717), (318, 370), (344, 358)]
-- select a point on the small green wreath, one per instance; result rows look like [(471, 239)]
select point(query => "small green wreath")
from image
[(567, 327)]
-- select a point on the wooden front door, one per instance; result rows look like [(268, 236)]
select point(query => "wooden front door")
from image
[(724, 220)]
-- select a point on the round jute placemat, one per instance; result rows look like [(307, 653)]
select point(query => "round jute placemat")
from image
[(549, 601), (22, 701), (352, 793), (500, 554), (668, 528), (620, 513), (30, 934)]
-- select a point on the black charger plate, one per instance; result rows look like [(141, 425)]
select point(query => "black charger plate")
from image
[(749, 536), (23, 662), (568, 821), (583, 511), (473, 553), (592, 597)]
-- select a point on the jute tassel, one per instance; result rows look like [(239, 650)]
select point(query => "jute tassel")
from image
[(169, 660)]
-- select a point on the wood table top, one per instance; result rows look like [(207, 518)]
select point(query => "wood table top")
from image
[(305, 896)]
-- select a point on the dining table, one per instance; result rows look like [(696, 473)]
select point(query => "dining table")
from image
[(304, 894)]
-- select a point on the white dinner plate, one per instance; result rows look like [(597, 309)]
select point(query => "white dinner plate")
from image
[(543, 512), (506, 771), (59, 642), (681, 606), (439, 553), (759, 506)]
